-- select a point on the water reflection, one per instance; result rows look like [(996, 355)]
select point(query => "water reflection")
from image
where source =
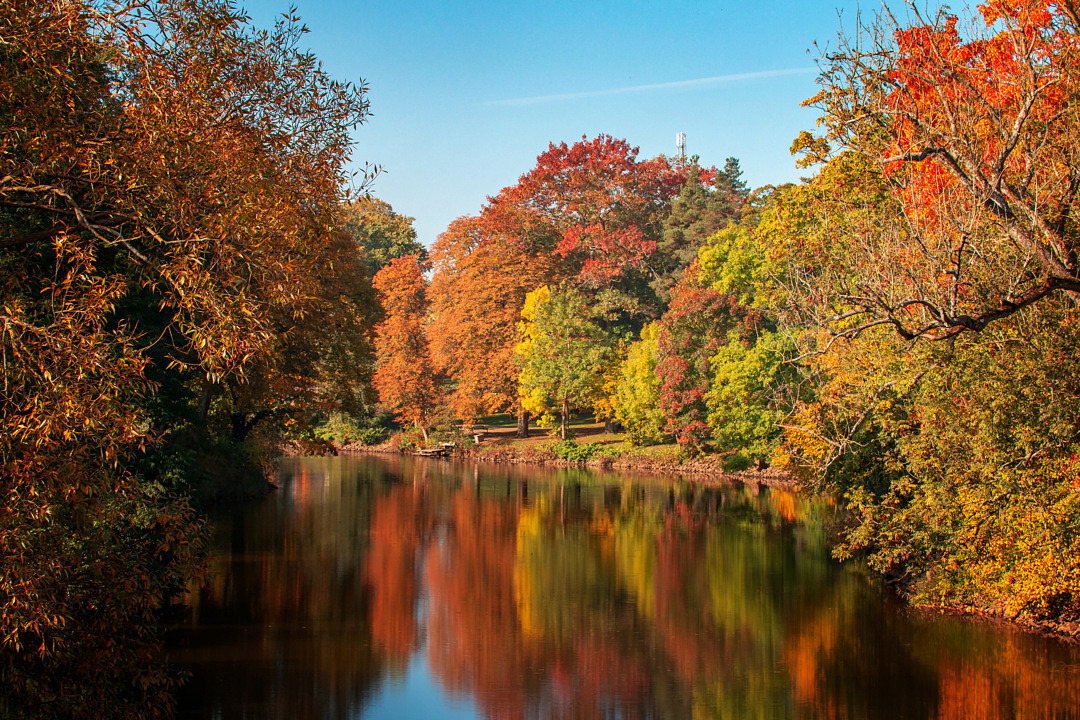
[(373, 587)]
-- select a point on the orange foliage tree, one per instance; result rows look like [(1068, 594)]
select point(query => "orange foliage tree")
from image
[(477, 292), (156, 158), (975, 130), (404, 376)]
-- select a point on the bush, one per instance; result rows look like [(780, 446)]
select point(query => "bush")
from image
[(342, 429), (575, 452)]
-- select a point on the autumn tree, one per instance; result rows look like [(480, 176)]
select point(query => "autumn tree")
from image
[(158, 158), (598, 207), (699, 321), (562, 355), (404, 376), (637, 395), (322, 356), (973, 128), (944, 211), (756, 379), (478, 289)]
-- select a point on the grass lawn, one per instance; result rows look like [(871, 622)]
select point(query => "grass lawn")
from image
[(502, 431)]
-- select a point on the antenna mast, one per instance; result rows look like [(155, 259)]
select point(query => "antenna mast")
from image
[(680, 143)]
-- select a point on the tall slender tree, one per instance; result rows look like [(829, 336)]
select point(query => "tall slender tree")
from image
[(404, 376), (708, 201)]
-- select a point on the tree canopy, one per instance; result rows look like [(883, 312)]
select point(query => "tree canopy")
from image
[(972, 130), (404, 377), (169, 179)]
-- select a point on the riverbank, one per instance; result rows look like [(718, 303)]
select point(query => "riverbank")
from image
[(592, 448)]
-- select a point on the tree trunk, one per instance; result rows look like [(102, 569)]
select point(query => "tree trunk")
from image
[(565, 418), (522, 422), (204, 402), (242, 425)]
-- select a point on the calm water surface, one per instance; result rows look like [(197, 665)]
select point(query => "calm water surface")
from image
[(391, 588)]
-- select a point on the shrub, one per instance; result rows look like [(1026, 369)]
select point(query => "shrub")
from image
[(574, 451), (342, 429)]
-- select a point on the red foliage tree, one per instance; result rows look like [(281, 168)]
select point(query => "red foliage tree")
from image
[(593, 203), (976, 131), (698, 322)]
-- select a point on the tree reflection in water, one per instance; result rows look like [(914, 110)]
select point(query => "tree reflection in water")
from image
[(536, 593)]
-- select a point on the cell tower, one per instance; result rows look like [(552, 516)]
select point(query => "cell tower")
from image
[(680, 143)]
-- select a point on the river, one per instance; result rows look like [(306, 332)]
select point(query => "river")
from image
[(371, 587)]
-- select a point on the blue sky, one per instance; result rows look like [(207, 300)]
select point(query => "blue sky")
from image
[(465, 95)]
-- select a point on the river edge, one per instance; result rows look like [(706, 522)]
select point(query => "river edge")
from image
[(704, 470), (708, 471)]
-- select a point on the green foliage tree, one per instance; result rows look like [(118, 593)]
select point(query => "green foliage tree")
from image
[(747, 399), (637, 395), (755, 380), (563, 354), (697, 212), (381, 233)]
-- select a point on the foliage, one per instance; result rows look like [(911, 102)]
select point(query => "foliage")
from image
[(604, 399), (699, 321), (404, 376), (733, 261), (563, 352), (974, 130), (379, 232), (574, 451), (593, 200), (637, 395), (589, 214), (746, 402), (343, 429), (946, 215), (989, 505), (168, 178), (599, 211), (310, 366), (478, 288)]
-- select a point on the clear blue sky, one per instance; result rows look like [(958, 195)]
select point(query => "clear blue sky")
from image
[(465, 95)]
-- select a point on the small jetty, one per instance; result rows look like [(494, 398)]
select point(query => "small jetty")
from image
[(440, 450)]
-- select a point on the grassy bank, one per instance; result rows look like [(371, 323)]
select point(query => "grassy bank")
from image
[(495, 440)]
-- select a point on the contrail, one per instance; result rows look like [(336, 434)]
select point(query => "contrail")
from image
[(700, 82)]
